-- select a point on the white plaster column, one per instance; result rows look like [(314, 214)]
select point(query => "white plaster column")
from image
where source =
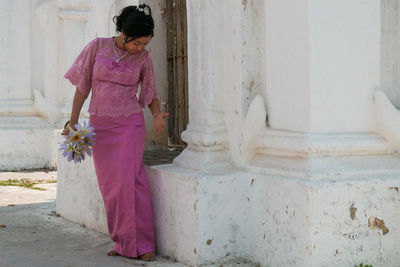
[(206, 133), (20, 126), (323, 150), (244, 74), (45, 47), (322, 64), (390, 53), (73, 20), (15, 58), (322, 67)]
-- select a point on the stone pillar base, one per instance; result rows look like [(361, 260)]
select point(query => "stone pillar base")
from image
[(256, 218), (274, 220), (26, 143), (206, 161)]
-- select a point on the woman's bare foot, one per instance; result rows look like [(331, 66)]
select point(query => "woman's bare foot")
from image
[(112, 253), (147, 256)]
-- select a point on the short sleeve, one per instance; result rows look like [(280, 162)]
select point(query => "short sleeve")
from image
[(80, 73), (147, 89)]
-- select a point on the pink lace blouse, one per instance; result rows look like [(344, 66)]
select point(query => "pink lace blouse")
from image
[(114, 85)]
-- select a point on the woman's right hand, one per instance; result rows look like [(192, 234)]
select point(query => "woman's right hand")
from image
[(159, 122), (66, 129)]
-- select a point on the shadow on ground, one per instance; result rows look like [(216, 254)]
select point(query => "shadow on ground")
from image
[(34, 235)]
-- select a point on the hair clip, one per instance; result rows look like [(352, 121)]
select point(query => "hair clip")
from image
[(145, 10)]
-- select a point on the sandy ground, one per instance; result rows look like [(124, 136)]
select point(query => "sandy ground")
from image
[(32, 234), (33, 175), (15, 195), (35, 236)]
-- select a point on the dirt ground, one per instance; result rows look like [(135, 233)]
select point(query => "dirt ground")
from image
[(32, 234)]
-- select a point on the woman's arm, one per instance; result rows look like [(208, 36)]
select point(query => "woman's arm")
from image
[(158, 117), (155, 106), (77, 104)]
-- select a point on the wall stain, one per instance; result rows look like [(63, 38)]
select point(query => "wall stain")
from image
[(394, 188), (244, 3), (374, 222), (251, 85), (352, 210)]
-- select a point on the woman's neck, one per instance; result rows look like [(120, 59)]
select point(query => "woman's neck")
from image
[(119, 43)]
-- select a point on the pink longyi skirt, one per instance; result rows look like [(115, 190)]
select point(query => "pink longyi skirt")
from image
[(118, 160)]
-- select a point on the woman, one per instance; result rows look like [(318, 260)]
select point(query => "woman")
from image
[(113, 68)]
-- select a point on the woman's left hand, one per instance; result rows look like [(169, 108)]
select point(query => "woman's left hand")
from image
[(159, 122)]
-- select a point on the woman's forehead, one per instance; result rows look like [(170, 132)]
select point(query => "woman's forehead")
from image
[(142, 40)]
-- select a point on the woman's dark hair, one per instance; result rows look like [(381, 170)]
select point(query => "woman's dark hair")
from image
[(135, 21)]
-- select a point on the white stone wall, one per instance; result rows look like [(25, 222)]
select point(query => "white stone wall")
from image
[(78, 194), (306, 188), (321, 64)]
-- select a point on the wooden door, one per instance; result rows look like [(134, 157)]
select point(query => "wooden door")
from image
[(178, 105)]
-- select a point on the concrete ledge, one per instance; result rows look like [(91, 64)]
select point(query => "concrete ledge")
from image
[(78, 194), (206, 219), (202, 219), (182, 202), (275, 221), (26, 143)]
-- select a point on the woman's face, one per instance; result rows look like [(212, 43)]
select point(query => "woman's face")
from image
[(136, 45)]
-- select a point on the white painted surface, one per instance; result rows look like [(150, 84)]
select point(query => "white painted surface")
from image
[(176, 223), (78, 194), (390, 54), (15, 54), (287, 55), (41, 40), (274, 221), (206, 130), (26, 143), (338, 240), (244, 76), (387, 119), (325, 152), (344, 64), (331, 52)]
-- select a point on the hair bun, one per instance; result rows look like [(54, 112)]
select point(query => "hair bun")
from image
[(135, 21)]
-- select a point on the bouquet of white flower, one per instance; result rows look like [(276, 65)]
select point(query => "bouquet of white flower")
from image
[(78, 142)]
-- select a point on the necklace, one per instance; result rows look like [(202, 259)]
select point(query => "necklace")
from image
[(118, 59)]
